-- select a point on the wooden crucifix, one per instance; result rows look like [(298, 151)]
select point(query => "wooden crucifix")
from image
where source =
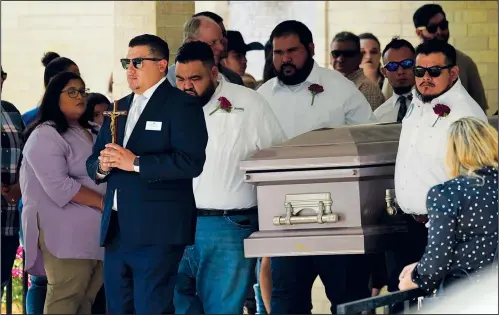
[(114, 123)]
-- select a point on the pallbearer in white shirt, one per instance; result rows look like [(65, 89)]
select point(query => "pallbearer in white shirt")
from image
[(398, 59), (306, 97), (337, 100), (438, 100), (214, 275)]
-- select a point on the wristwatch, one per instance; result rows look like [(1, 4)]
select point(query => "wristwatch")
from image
[(100, 171), (136, 166)]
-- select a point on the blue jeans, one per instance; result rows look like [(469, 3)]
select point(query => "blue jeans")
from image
[(260, 306), (214, 276), (35, 297)]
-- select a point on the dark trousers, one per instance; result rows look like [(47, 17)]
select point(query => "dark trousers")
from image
[(410, 248), (345, 278), (9, 248), (99, 306), (139, 279)]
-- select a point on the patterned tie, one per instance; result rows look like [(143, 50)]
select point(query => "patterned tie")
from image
[(402, 108)]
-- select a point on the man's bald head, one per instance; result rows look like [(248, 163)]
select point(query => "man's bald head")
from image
[(205, 29)]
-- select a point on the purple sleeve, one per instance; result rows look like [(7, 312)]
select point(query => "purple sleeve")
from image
[(46, 152)]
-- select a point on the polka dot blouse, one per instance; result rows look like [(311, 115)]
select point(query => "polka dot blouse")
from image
[(463, 223)]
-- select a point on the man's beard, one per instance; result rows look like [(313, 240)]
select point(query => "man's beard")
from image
[(445, 38), (205, 97), (299, 76), (428, 98), (401, 90)]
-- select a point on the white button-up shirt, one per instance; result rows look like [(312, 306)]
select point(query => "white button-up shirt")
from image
[(233, 137), (423, 143), (388, 111), (341, 103)]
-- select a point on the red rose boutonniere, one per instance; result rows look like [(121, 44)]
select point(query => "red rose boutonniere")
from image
[(441, 111), (224, 105), (315, 89)]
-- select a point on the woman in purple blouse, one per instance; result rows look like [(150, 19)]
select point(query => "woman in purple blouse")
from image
[(62, 205)]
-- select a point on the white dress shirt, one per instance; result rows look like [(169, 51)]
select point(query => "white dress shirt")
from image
[(233, 137), (341, 103), (422, 146), (138, 105), (388, 111)]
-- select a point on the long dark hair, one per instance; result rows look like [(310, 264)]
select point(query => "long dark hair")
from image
[(57, 65), (92, 100), (50, 111), (268, 68)]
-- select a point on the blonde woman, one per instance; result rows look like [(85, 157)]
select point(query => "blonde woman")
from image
[(463, 212)]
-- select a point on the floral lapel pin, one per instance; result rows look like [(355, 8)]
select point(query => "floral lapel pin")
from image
[(315, 89), (440, 110), (224, 105)]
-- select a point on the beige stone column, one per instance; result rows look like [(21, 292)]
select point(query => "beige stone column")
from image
[(131, 18)]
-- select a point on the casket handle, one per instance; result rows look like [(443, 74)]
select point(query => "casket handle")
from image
[(322, 208)]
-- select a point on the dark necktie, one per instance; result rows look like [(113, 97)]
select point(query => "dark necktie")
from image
[(402, 108)]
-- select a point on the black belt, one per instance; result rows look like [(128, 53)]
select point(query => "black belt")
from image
[(214, 212)]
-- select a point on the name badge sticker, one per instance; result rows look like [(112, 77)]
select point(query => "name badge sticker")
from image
[(154, 125)]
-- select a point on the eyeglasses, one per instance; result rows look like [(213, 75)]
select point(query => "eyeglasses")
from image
[(394, 65), (432, 28), (4, 75), (434, 71), (137, 62), (73, 93), (344, 53)]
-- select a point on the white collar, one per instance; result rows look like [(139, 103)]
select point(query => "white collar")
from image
[(448, 98), (150, 91), (313, 78)]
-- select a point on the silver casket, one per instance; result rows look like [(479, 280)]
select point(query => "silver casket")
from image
[(323, 192)]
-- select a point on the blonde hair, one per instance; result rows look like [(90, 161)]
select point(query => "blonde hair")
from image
[(191, 28), (472, 145)]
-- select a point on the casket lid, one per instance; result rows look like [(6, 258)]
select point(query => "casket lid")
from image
[(346, 146)]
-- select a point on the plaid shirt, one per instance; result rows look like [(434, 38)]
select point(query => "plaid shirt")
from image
[(12, 144), (370, 90)]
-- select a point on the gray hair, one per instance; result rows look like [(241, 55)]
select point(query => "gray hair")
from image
[(191, 28)]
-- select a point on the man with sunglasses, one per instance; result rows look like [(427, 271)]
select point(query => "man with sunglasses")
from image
[(422, 145), (346, 57), (398, 59), (12, 143), (431, 23), (149, 211)]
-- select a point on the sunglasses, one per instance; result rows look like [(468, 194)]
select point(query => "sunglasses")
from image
[(434, 71), (394, 65), (73, 93), (432, 29), (137, 62), (344, 53)]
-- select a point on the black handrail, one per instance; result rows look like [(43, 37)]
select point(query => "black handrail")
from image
[(9, 289), (371, 303)]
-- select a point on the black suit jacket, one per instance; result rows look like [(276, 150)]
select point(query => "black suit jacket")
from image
[(156, 206)]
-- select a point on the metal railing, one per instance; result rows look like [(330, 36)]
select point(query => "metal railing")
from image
[(405, 297), (8, 292)]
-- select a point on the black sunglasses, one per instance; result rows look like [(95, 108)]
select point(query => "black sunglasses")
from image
[(73, 93), (344, 53), (432, 28), (394, 65), (137, 62), (434, 71)]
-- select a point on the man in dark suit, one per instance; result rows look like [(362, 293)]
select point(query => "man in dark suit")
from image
[(150, 212)]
